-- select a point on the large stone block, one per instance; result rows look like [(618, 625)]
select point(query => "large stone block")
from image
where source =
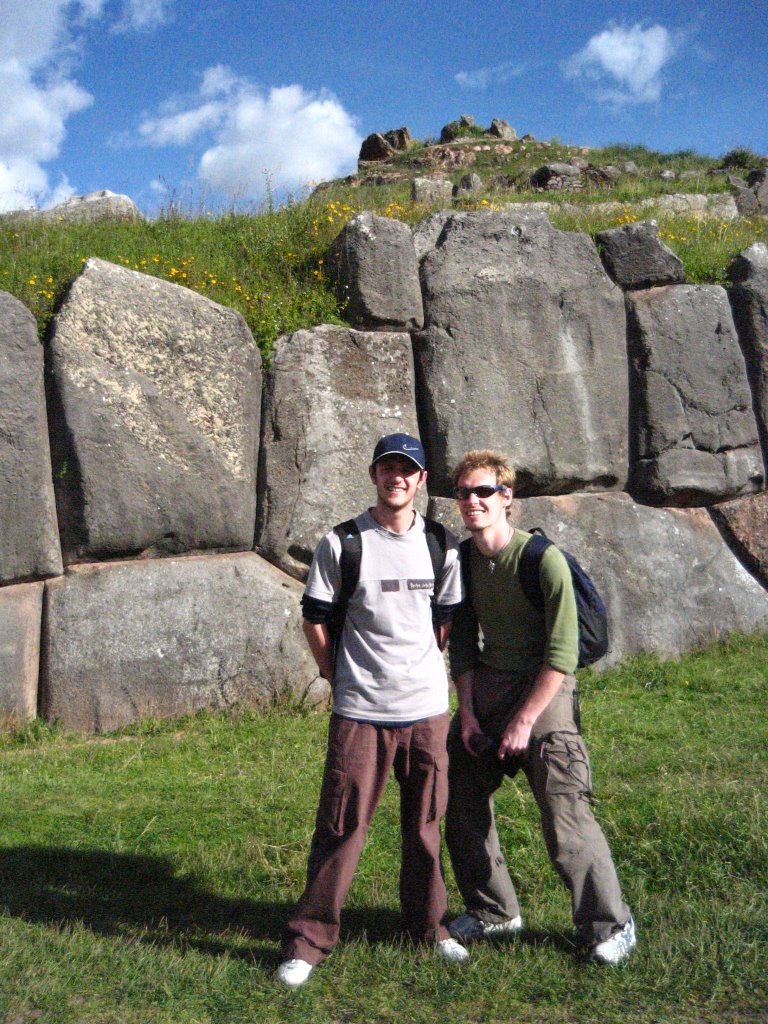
[(331, 394), (693, 436), (744, 524), (157, 417), (20, 611), (374, 263), (29, 539), (123, 640), (635, 257), (749, 302), (523, 349), (668, 580)]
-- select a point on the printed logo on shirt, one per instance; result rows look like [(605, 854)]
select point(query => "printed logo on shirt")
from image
[(389, 586), (420, 584)]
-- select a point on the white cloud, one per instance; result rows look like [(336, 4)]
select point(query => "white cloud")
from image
[(38, 93), (287, 135), (481, 78), (180, 129), (142, 15), (624, 64)]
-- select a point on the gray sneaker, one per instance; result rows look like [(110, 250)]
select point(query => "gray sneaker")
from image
[(469, 928), (618, 947)]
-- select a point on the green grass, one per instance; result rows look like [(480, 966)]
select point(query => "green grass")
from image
[(145, 876), (271, 265)]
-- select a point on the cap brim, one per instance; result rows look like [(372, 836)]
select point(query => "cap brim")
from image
[(402, 454)]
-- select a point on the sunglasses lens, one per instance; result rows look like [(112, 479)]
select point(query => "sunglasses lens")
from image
[(483, 491)]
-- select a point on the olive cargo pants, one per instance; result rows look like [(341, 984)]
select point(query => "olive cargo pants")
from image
[(558, 772)]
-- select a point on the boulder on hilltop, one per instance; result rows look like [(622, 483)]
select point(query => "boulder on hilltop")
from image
[(101, 205)]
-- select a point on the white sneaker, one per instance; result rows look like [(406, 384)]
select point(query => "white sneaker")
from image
[(293, 973), (618, 947), (452, 951), (469, 928)]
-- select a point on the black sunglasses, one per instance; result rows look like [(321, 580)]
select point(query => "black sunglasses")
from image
[(483, 491)]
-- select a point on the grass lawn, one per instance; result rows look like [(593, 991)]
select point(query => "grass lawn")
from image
[(145, 876)]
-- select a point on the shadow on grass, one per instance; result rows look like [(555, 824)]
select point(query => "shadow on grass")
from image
[(144, 899)]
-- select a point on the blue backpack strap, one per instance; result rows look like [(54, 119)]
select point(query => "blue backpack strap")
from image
[(528, 571)]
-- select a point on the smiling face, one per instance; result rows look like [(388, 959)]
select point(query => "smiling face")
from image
[(397, 481), (488, 513)]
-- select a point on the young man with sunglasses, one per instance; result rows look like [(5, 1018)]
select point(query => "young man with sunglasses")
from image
[(518, 711), (390, 710)]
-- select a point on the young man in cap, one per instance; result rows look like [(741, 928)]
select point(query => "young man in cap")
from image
[(517, 711), (390, 704)]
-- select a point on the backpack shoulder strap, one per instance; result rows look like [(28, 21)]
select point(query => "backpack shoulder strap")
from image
[(437, 543), (528, 571), (348, 533), (465, 553)]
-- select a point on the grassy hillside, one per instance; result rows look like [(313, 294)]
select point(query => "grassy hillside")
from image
[(270, 265), (145, 876)]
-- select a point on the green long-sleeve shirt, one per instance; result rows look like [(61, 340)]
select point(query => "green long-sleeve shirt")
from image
[(516, 636)]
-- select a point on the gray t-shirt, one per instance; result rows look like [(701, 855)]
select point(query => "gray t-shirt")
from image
[(389, 667)]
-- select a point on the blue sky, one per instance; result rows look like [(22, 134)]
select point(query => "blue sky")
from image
[(205, 102)]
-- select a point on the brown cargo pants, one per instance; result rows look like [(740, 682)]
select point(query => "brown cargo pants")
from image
[(558, 772), (358, 763)]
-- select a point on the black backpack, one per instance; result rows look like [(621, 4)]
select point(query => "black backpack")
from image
[(351, 555), (592, 614)]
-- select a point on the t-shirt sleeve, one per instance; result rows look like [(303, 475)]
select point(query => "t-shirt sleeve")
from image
[(561, 650), (448, 589), (324, 579)]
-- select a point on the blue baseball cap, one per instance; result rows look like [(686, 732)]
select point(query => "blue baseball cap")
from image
[(400, 444)]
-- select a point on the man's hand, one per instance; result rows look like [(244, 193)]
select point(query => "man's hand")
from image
[(321, 646), (517, 735), (470, 729), (515, 739)]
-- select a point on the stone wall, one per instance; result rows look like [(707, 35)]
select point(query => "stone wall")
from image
[(159, 506)]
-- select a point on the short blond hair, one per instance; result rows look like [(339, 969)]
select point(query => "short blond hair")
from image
[(487, 459)]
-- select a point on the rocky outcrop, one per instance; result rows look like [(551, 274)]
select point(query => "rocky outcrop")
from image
[(502, 130), (101, 205), (455, 129), (127, 640), (157, 417), (635, 257), (20, 610), (331, 394), (375, 147), (668, 581), (693, 436), (749, 302), (29, 539), (384, 145), (523, 349), (374, 265)]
